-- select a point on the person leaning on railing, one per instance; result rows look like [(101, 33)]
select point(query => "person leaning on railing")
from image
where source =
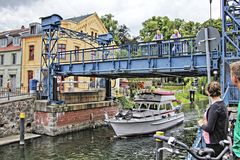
[(176, 46), (215, 122), (235, 78), (158, 36)]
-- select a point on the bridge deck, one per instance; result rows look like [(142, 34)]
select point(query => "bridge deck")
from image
[(151, 59)]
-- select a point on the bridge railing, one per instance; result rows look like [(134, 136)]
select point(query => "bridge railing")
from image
[(234, 95), (161, 48)]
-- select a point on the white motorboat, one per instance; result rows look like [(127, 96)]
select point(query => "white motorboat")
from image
[(153, 112)]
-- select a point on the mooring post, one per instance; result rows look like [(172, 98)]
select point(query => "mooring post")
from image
[(159, 144), (22, 121)]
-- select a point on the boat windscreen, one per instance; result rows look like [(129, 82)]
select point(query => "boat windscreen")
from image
[(136, 105), (168, 106), (143, 106), (153, 106)]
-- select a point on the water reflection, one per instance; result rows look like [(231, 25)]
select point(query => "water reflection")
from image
[(99, 144)]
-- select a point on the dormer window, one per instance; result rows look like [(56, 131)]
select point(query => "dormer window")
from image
[(16, 41), (3, 42), (33, 29)]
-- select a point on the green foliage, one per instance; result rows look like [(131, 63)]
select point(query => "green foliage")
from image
[(120, 32), (182, 92), (125, 102), (217, 23), (167, 26)]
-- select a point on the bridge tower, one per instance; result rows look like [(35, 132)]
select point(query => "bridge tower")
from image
[(50, 28), (50, 57), (230, 46)]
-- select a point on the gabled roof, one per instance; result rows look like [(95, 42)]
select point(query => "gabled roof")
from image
[(15, 32), (80, 18)]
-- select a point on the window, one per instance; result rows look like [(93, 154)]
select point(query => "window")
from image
[(16, 41), (76, 81), (3, 42), (31, 52), (33, 30), (144, 106), (153, 107), (14, 57), (76, 53), (168, 106), (1, 80), (62, 49), (13, 82), (30, 76), (1, 59)]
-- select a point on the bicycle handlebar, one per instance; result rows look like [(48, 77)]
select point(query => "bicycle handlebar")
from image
[(172, 141)]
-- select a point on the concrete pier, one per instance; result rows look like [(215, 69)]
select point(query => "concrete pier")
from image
[(16, 138), (84, 109)]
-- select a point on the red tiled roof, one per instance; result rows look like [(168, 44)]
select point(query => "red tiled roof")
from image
[(10, 47)]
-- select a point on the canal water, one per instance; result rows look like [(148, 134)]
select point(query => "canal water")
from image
[(99, 144)]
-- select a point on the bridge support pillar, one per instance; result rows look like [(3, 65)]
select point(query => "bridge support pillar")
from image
[(55, 96), (108, 89)]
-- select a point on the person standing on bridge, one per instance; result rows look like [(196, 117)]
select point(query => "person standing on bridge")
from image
[(215, 122), (235, 78), (176, 34), (158, 36), (176, 46)]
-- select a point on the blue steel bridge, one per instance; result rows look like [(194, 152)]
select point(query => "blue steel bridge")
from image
[(173, 57), (178, 57)]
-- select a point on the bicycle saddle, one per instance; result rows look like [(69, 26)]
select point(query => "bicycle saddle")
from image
[(205, 151)]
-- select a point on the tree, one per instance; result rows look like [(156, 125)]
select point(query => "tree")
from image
[(110, 23), (120, 32), (123, 34), (217, 23), (167, 26)]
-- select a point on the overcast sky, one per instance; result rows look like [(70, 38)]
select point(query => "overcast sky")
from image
[(14, 13)]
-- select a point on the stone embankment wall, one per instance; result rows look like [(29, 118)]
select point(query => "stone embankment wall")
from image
[(81, 110), (58, 119), (9, 116)]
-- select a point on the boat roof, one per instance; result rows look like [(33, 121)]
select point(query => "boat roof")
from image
[(163, 93)]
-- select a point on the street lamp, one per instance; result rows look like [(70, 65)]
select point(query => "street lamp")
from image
[(210, 1)]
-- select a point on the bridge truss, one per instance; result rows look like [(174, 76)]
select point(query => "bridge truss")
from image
[(230, 47)]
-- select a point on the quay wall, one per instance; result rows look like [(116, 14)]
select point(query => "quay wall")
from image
[(54, 120), (83, 110), (9, 115)]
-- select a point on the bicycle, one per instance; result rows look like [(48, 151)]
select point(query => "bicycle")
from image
[(198, 153)]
